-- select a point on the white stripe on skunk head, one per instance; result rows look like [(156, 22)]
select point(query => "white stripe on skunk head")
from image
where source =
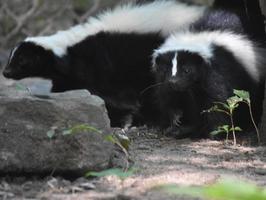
[(159, 16), (242, 48), (12, 53), (174, 63)]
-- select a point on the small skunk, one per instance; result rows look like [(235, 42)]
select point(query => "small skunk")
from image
[(176, 102), (203, 66), (109, 55)]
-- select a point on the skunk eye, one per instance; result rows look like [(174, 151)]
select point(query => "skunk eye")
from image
[(22, 61), (186, 70)]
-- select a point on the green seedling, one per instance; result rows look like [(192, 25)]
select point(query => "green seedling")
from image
[(81, 128), (120, 173), (245, 98), (225, 129), (121, 141), (223, 190), (228, 108)]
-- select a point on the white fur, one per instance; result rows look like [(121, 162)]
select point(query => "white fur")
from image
[(12, 54), (242, 48), (159, 16), (174, 67)]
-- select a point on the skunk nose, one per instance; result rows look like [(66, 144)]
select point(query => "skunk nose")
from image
[(7, 73)]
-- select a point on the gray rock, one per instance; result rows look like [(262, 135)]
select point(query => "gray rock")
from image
[(26, 121), (36, 86)]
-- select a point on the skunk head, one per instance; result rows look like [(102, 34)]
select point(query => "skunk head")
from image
[(28, 60), (180, 69)]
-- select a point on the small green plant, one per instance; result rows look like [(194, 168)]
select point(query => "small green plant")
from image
[(121, 141), (245, 98), (20, 87), (81, 128), (73, 130), (225, 129), (120, 173), (228, 108), (223, 190)]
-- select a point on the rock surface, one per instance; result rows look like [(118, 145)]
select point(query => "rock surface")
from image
[(26, 121)]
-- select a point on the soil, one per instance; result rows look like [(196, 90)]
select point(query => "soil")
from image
[(158, 160)]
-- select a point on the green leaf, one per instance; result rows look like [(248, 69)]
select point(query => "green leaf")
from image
[(50, 133), (233, 101), (20, 87), (221, 129), (67, 132), (225, 127), (216, 132), (211, 109), (236, 129), (224, 105), (234, 190), (216, 108), (243, 94), (111, 138), (112, 172), (81, 128), (223, 190), (122, 140)]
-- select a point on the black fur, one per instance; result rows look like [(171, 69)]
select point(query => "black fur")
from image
[(203, 83), (174, 96), (250, 15), (114, 66), (219, 20)]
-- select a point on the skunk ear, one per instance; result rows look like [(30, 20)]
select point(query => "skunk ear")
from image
[(165, 58)]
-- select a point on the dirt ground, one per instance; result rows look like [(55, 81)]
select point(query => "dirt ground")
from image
[(159, 160)]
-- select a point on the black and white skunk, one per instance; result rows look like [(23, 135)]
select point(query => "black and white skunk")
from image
[(106, 64), (109, 55), (203, 66)]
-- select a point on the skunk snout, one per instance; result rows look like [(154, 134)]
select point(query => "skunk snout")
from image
[(7, 73), (176, 84), (172, 80)]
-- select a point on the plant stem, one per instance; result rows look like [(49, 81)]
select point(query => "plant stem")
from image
[(233, 127), (253, 121), (227, 136), (126, 154)]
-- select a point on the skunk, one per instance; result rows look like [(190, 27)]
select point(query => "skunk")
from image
[(106, 64), (109, 55), (202, 66)]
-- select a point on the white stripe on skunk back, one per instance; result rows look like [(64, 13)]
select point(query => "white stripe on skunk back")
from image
[(159, 16), (243, 49)]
